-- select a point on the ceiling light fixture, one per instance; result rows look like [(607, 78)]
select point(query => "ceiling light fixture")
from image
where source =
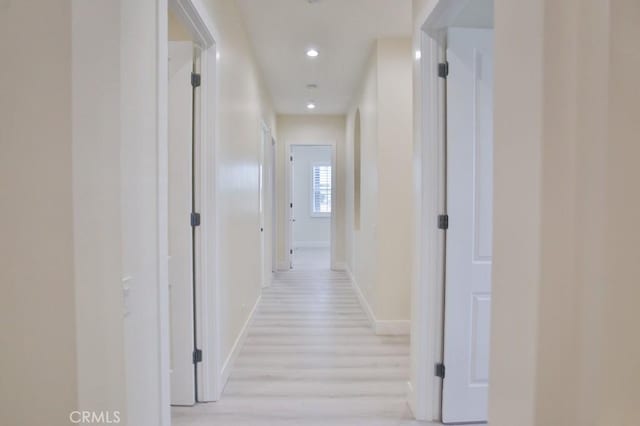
[(312, 53), (311, 105), (418, 54)]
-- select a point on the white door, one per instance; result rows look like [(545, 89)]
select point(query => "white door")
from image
[(469, 236), (292, 218), (180, 237), (274, 212), (263, 180)]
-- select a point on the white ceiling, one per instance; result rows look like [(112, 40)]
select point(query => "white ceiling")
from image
[(343, 31)]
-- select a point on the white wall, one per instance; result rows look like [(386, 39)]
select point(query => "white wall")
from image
[(97, 201), (308, 230), (242, 103), (39, 382), (309, 130), (361, 244), (560, 193), (395, 208), (81, 144), (385, 234)]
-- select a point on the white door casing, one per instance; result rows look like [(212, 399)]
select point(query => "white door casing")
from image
[(180, 240), (469, 237)]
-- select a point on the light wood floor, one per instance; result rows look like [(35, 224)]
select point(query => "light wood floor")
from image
[(310, 358)]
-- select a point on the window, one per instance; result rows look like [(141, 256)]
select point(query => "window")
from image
[(321, 194)]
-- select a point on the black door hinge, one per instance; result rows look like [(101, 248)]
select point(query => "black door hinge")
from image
[(291, 251), (443, 221), (291, 158), (291, 205), (197, 356), (195, 79), (443, 69), (439, 370), (195, 219)]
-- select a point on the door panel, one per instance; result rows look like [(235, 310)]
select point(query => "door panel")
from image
[(180, 237), (265, 208), (274, 211), (469, 237)]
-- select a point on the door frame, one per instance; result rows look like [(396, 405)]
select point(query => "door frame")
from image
[(196, 20), (428, 285), (288, 237)]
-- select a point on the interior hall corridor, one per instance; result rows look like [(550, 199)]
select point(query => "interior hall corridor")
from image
[(319, 212), (311, 357)]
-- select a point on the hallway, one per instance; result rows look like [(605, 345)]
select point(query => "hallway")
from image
[(311, 358), (320, 212)]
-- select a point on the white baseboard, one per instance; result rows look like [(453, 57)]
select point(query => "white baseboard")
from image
[(283, 265), (339, 266), (363, 300), (411, 399), (311, 244), (237, 346), (379, 327), (393, 327)]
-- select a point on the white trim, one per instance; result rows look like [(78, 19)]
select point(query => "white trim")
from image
[(411, 396), (196, 20), (162, 123), (312, 244), (237, 345), (334, 222), (283, 265), (194, 16), (393, 327), (209, 308), (339, 266), (363, 300), (379, 327), (427, 288)]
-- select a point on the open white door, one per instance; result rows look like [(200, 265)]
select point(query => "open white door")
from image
[(264, 185), (274, 212), (469, 236), (180, 232), (292, 218)]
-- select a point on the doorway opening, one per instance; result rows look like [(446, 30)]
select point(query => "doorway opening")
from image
[(451, 347), (311, 206)]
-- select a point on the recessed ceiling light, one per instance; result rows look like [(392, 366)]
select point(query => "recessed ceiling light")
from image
[(312, 53), (311, 105), (418, 54)]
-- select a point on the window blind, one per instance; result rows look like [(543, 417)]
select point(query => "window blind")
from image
[(321, 189)]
